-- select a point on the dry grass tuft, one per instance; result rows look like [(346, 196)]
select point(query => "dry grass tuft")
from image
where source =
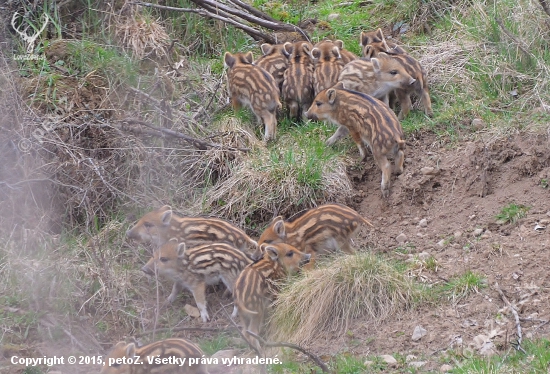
[(328, 299), (275, 180), (143, 35)]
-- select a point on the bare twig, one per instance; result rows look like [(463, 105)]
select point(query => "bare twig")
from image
[(197, 143), (514, 312), (312, 356), (518, 42), (256, 34)]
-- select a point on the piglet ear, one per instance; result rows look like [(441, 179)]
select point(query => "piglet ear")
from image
[(229, 60), (279, 228), (249, 57), (130, 350), (339, 43), (266, 48), (331, 94), (288, 47), (380, 34), (375, 64), (166, 217), (316, 53), (272, 252), (181, 249), (363, 39)]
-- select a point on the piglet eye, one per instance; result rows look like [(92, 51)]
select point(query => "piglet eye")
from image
[(290, 253), (318, 103), (148, 225), (164, 259), (393, 72)]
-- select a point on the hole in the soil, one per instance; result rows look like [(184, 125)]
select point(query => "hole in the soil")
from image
[(436, 185)]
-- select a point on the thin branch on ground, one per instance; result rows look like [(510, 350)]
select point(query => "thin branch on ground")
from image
[(197, 143), (312, 356), (516, 316), (516, 41)]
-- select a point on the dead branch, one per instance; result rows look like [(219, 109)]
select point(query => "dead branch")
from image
[(514, 312), (312, 356), (256, 34), (197, 143), (545, 6), (518, 42)]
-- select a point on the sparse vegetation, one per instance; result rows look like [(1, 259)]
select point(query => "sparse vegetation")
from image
[(511, 213), (461, 286)]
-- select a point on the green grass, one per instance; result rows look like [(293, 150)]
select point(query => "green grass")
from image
[(511, 213), (218, 343), (461, 286)]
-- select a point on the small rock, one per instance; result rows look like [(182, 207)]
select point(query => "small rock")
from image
[(423, 256), (486, 234), (417, 364), (418, 333), (405, 223), (423, 222), (544, 221), (419, 234), (441, 243), (428, 170), (408, 160), (192, 311), (390, 360), (457, 234), (477, 123), (445, 368), (477, 232), (368, 363), (410, 358), (333, 16), (401, 238), (548, 213)]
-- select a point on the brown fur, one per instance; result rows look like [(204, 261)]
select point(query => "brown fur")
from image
[(297, 89), (165, 349), (347, 56), (254, 87), (328, 65), (374, 43), (275, 61), (370, 123), (160, 225), (195, 268), (324, 229), (255, 287), (377, 77)]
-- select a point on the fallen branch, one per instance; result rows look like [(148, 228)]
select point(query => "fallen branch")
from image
[(518, 42), (312, 356), (256, 34), (197, 143), (516, 316)]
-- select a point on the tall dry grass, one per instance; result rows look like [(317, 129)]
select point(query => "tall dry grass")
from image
[(329, 299)]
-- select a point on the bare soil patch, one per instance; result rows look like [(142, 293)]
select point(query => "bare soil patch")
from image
[(468, 185)]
